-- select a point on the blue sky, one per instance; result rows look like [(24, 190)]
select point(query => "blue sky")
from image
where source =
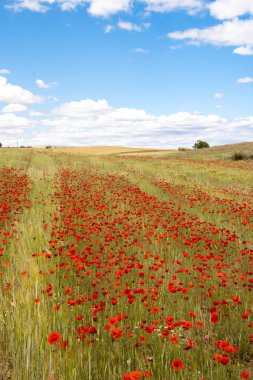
[(147, 73)]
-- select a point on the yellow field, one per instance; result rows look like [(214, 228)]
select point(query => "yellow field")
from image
[(99, 150), (215, 152)]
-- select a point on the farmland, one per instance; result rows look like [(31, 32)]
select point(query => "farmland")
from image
[(125, 267)]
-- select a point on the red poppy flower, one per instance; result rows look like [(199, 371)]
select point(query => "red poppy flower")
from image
[(177, 364), (214, 318), (117, 333), (244, 375), (174, 339), (223, 359), (54, 338), (134, 375), (64, 344)]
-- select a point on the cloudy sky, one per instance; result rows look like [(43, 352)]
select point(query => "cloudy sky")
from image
[(139, 73)]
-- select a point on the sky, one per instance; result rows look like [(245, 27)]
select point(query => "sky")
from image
[(137, 73)]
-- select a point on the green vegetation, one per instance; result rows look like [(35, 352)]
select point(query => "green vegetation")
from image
[(238, 156), (134, 263), (181, 149), (199, 144)]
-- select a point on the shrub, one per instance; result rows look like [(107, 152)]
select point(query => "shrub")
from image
[(48, 147), (199, 144), (181, 149), (237, 156)]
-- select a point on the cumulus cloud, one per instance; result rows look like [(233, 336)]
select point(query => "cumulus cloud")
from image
[(32, 113), (4, 71), (129, 26), (228, 9), (243, 50), (10, 120), (245, 80), (83, 108), (13, 127), (91, 122), (70, 5), (171, 5), (31, 5), (43, 5), (41, 84), (95, 7), (105, 8), (12, 108), (229, 33), (10, 93), (109, 7)]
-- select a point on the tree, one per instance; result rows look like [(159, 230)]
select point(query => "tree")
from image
[(199, 144), (1, 145)]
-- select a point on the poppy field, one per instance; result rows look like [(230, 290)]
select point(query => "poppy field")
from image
[(126, 268)]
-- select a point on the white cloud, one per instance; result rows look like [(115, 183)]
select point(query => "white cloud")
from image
[(108, 28), (13, 128), (245, 80), (228, 9), (243, 50), (10, 93), (220, 9), (107, 8), (44, 5), (218, 95), (4, 71), (12, 108), (70, 5), (90, 122), (34, 113), (31, 5), (41, 84), (125, 25), (229, 33), (219, 107), (102, 8), (10, 120), (83, 108), (171, 5), (140, 51)]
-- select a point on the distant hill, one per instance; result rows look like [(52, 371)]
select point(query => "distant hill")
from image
[(220, 151), (215, 152)]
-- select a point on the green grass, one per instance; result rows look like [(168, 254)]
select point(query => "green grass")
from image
[(219, 193)]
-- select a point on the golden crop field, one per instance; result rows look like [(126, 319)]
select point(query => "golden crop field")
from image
[(125, 266)]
